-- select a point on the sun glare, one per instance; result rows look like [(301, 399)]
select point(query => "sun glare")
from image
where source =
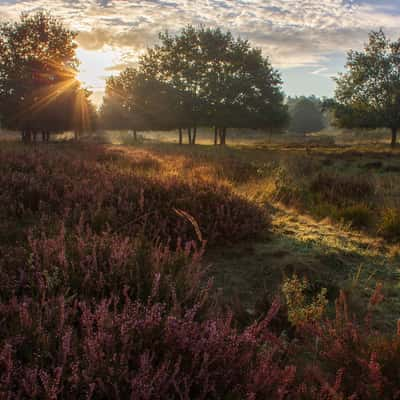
[(96, 66)]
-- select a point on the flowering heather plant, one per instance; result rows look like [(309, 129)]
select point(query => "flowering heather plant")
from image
[(53, 186), (351, 360), (103, 295)]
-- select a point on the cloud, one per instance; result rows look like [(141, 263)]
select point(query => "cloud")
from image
[(293, 33), (97, 38)]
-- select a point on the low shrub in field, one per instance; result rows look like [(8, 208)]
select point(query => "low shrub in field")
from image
[(72, 187), (351, 360), (389, 226), (359, 216), (300, 309), (88, 315)]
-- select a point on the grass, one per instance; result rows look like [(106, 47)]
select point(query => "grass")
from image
[(326, 238)]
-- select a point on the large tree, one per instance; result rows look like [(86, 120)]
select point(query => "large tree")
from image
[(368, 93), (38, 86), (222, 81)]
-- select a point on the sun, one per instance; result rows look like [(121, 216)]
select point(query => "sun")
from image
[(96, 66)]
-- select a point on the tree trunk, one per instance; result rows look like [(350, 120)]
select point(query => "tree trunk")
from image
[(47, 136), (223, 137), (135, 135), (180, 135), (34, 136), (76, 134), (215, 136), (194, 135), (394, 137), (189, 132)]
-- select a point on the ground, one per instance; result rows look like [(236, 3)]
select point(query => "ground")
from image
[(331, 254), (307, 235), (328, 255)]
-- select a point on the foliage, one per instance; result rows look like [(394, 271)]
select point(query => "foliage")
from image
[(300, 309), (305, 115), (368, 93), (390, 224), (38, 86), (200, 77), (133, 101)]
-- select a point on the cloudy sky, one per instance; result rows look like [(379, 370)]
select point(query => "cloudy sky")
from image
[(306, 40)]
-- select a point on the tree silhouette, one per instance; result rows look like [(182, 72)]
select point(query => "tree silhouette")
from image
[(221, 81), (138, 103), (38, 86)]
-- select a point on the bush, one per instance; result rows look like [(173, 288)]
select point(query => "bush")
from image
[(300, 309), (389, 226), (359, 216)]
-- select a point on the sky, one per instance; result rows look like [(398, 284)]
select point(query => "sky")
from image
[(306, 40)]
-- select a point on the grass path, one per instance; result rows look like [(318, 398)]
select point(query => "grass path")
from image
[(328, 255)]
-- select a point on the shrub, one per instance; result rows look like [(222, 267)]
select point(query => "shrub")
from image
[(100, 316), (300, 309), (389, 226), (359, 216), (351, 360)]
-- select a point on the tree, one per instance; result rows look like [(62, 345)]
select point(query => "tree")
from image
[(138, 103), (38, 86), (221, 81), (368, 93), (305, 114)]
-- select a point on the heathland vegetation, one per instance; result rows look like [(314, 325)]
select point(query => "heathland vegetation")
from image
[(148, 270)]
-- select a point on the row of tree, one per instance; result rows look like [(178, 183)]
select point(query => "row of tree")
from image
[(200, 77)]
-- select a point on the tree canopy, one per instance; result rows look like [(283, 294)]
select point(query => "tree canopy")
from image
[(368, 93), (38, 86), (200, 77)]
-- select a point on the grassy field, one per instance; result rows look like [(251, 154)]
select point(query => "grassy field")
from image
[(340, 235), (100, 237)]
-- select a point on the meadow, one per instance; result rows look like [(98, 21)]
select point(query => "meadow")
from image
[(259, 270)]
